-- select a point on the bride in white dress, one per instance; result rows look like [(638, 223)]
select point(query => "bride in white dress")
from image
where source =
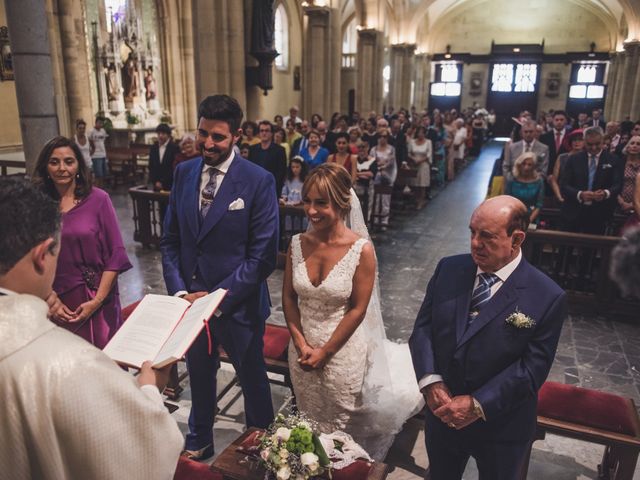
[(346, 376)]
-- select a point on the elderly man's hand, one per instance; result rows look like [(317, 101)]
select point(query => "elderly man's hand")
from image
[(436, 395), (458, 413)]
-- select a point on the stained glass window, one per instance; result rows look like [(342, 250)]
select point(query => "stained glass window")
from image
[(281, 35), (526, 77), (502, 77)]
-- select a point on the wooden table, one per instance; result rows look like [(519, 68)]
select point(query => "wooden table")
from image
[(235, 464)]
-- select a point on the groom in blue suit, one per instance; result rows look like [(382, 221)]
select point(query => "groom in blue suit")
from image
[(482, 346), (221, 231)]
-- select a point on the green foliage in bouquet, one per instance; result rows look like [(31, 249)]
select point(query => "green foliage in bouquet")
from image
[(291, 449), (132, 119)]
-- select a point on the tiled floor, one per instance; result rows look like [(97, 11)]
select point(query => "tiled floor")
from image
[(594, 352)]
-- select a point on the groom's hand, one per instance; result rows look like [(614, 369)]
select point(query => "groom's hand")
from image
[(192, 297), (458, 413), (436, 395)]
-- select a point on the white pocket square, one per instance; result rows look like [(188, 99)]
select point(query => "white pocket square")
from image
[(606, 165), (237, 204)]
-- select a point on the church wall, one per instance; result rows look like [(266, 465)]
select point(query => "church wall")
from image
[(564, 26), (469, 72), (10, 136), (347, 82), (558, 71)]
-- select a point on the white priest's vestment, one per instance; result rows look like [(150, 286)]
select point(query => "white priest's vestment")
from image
[(67, 411)]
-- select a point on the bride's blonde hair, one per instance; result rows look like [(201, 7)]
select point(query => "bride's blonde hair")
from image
[(334, 181)]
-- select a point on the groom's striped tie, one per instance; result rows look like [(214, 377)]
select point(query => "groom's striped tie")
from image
[(481, 294)]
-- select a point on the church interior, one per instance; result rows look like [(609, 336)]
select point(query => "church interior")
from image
[(489, 68)]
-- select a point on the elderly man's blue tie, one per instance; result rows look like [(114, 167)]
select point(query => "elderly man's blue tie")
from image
[(481, 294), (592, 170)]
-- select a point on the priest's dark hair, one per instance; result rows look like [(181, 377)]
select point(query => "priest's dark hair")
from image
[(222, 107), (28, 217)]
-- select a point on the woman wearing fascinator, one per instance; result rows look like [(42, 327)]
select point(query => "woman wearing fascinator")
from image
[(340, 360)]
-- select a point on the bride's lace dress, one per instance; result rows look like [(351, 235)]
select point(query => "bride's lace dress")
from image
[(344, 395)]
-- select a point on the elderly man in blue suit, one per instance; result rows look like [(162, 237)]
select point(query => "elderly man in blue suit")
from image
[(221, 231), (482, 346)]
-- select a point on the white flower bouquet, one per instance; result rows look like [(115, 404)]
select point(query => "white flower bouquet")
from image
[(290, 449)]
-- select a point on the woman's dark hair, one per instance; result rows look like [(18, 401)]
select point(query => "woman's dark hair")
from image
[(41, 176), (303, 168), (251, 124), (223, 108), (315, 119), (282, 131), (419, 128), (340, 135)]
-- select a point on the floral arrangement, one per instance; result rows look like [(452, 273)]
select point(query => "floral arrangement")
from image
[(520, 320), (166, 117), (290, 449), (132, 118)]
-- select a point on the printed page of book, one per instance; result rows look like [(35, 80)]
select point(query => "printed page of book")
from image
[(146, 330), (189, 328)]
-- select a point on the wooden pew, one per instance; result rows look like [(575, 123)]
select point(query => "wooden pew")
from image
[(5, 165), (292, 222), (122, 166), (148, 214), (580, 263), (141, 154)]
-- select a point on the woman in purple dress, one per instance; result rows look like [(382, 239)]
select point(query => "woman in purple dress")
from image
[(92, 253)]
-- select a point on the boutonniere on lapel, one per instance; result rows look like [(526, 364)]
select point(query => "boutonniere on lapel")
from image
[(606, 165), (520, 320), (237, 204)]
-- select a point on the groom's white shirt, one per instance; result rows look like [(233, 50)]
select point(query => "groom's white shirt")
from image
[(504, 273)]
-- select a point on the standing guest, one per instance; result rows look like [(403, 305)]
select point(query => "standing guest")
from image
[(421, 156), (596, 119), (278, 121), (292, 135), (292, 189), (555, 139), (249, 130), (68, 411), (161, 159), (613, 130), (315, 119), (459, 147), (478, 370), (97, 136), (370, 136), (367, 170), (343, 155), (84, 144), (590, 184), (527, 185), (245, 150), (187, 149), (576, 141), (314, 154), (269, 155), (527, 144), (279, 138), (385, 156), (221, 231), (354, 139), (631, 171), (92, 252), (440, 148), (302, 141), (293, 115), (398, 139)]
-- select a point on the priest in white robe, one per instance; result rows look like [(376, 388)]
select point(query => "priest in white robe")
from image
[(67, 411)]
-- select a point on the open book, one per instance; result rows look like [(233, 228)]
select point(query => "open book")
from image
[(161, 329)]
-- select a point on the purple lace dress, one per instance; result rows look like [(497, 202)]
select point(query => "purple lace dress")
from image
[(90, 244)]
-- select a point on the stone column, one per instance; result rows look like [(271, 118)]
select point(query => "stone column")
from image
[(422, 78), (320, 63), (618, 80), (75, 60), (219, 49), (369, 74), (28, 30), (401, 62), (635, 99), (629, 72), (611, 86)]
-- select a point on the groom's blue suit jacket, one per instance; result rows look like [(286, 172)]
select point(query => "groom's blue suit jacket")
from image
[(500, 365), (234, 249)]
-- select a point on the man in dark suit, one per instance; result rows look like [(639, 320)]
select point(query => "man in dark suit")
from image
[(555, 139), (302, 142), (482, 346), (161, 157), (269, 155), (590, 183), (221, 231), (596, 119)]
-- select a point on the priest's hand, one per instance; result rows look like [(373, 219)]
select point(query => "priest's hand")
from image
[(436, 395), (154, 376), (192, 297), (458, 413)]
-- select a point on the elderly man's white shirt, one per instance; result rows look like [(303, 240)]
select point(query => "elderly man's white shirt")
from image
[(69, 412)]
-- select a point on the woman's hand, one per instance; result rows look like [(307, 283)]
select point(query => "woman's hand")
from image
[(316, 360), (60, 312), (85, 310)]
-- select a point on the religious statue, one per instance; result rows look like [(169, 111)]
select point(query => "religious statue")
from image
[(112, 83), (130, 77), (150, 85), (263, 27)]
